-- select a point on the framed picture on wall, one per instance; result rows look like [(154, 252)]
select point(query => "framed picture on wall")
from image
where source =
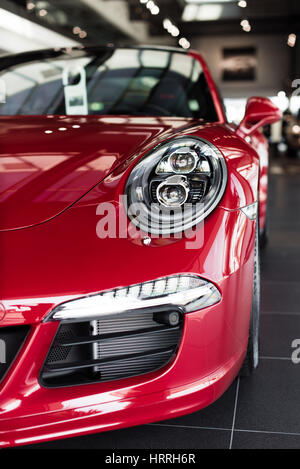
[(239, 64)]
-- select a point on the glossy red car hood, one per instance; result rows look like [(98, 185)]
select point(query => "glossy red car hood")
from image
[(49, 162)]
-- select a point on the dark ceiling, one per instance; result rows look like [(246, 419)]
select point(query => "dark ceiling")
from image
[(265, 17)]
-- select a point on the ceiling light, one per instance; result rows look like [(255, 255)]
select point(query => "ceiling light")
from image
[(184, 43), (155, 10), (207, 1), (170, 27), (292, 40), (242, 3), (174, 31), (167, 23), (30, 6), (209, 12), (194, 12), (190, 13), (43, 12), (150, 4), (76, 30), (247, 28), (82, 34), (244, 23)]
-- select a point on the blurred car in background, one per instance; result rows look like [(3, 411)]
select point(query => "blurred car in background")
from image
[(292, 136)]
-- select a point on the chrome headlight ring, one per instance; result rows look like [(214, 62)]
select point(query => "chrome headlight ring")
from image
[(175, 186)]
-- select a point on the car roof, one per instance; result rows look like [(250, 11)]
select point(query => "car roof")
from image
[(8, 60), (100, 47)]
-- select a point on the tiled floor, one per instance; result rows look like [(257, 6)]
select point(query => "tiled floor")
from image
[(262, 411)]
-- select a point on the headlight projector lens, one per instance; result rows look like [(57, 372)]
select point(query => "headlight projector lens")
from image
[(173, 192), (183, 160)]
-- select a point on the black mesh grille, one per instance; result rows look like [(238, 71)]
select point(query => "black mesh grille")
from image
[(11, 340), (111, 348), (61, 353)]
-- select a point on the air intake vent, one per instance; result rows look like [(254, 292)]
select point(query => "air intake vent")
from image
[(114, 347), (11, 340)]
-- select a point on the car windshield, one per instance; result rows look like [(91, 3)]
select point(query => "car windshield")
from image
[(116, 82)]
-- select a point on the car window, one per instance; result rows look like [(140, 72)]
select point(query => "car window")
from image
[(126, 81)]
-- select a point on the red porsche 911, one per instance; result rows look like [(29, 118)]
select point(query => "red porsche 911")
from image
[(130, 216)]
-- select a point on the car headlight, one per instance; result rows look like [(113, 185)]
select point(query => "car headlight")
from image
[(175, 186), (185, 291)]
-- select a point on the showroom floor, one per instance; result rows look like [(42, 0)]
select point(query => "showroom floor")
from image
[(262, 411)]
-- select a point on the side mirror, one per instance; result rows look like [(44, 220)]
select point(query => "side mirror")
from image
[(259, 112)]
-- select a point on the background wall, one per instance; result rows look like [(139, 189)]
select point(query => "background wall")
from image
[(273, 63)]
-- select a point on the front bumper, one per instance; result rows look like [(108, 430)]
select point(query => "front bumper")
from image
[(211, 351), (126, 412)]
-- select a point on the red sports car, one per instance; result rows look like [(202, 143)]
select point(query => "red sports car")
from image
[(130, 220)]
